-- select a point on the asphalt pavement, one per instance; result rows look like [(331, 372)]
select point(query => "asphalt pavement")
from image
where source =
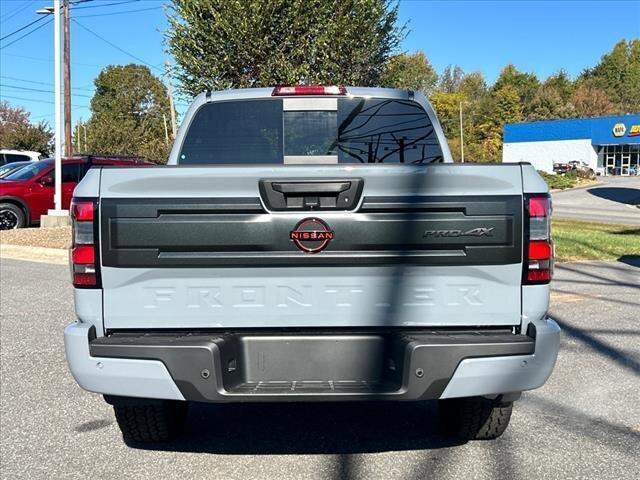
[(584, 423), (614, 201)]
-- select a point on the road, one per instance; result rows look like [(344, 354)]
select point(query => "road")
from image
[(585, 423), (612, 202)]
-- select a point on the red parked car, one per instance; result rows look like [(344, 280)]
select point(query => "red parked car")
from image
[(27, 194)]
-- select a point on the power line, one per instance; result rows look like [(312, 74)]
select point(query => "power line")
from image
[(46, 115), (29, 89), (101, 4), (113, 45), (39, 83), (15, 12), (39, 19), (51, 114), (38, 117), (28, 33), (49, 60), (39, 100), (117, 13)]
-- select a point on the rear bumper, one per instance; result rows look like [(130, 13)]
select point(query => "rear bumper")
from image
[(312, 367), (119, 376)]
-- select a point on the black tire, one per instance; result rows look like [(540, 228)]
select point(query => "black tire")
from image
[(11, 216), (153, 422), (475, 418)]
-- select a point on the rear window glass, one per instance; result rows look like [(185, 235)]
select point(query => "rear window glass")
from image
[(356, 130), (310, 133), (235, 132), (15, 157), (29, 171), (11, 167), (70, 173)]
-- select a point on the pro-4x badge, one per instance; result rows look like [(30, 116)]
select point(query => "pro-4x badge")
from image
[(474, 232), (311, 235)]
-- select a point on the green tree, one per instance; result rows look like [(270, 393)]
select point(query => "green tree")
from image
[(409, 70), (447, 107), (618, 75), (508, 106), (18, 133), (220, 44), (471, 96), (504, 106), (127, 113), (548, 103), (451, 79), (561, 83), (525, 84), (473, 86)]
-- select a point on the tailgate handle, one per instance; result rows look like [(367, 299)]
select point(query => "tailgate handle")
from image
[(312, 188), (280, 195)]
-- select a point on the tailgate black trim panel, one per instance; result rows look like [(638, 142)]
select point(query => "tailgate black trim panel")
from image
[(238, 232)]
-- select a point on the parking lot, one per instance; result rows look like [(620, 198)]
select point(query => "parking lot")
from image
[(614, 200), (584, 423)]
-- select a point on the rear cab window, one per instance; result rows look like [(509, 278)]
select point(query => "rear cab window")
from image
[(310, 130)]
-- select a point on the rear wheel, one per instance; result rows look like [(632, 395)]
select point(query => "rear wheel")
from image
[(475, 418), (11, 216), (156, 421)]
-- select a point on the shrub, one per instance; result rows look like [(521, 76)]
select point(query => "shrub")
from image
[(560, 182), (588, 174)]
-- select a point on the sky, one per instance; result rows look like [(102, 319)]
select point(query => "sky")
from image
[(536, 36)]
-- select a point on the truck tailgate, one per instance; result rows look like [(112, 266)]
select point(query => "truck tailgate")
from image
[(211, 247)]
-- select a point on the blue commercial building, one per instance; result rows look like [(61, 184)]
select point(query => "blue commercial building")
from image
[(609, 145)]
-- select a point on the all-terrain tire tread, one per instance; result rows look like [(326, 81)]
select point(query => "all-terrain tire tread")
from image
[(150, 423), (476, 418)]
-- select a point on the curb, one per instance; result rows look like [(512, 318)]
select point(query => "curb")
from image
[(580, 187), (56, 256)]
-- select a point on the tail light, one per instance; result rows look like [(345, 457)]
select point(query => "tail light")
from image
[(538, 261), (84, 248), (282, 90)]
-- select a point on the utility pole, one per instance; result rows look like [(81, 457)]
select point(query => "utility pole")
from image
[(56, 216), (57, 198), (68, 144), (78, 136), (173, 110), (166, 132), (84, 127), (461, 135)]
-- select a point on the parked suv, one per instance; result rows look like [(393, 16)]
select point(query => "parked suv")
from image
[(312, 244), (9, 156), (27, 193)]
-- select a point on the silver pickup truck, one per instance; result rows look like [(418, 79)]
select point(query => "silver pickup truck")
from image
[(311, 244)]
